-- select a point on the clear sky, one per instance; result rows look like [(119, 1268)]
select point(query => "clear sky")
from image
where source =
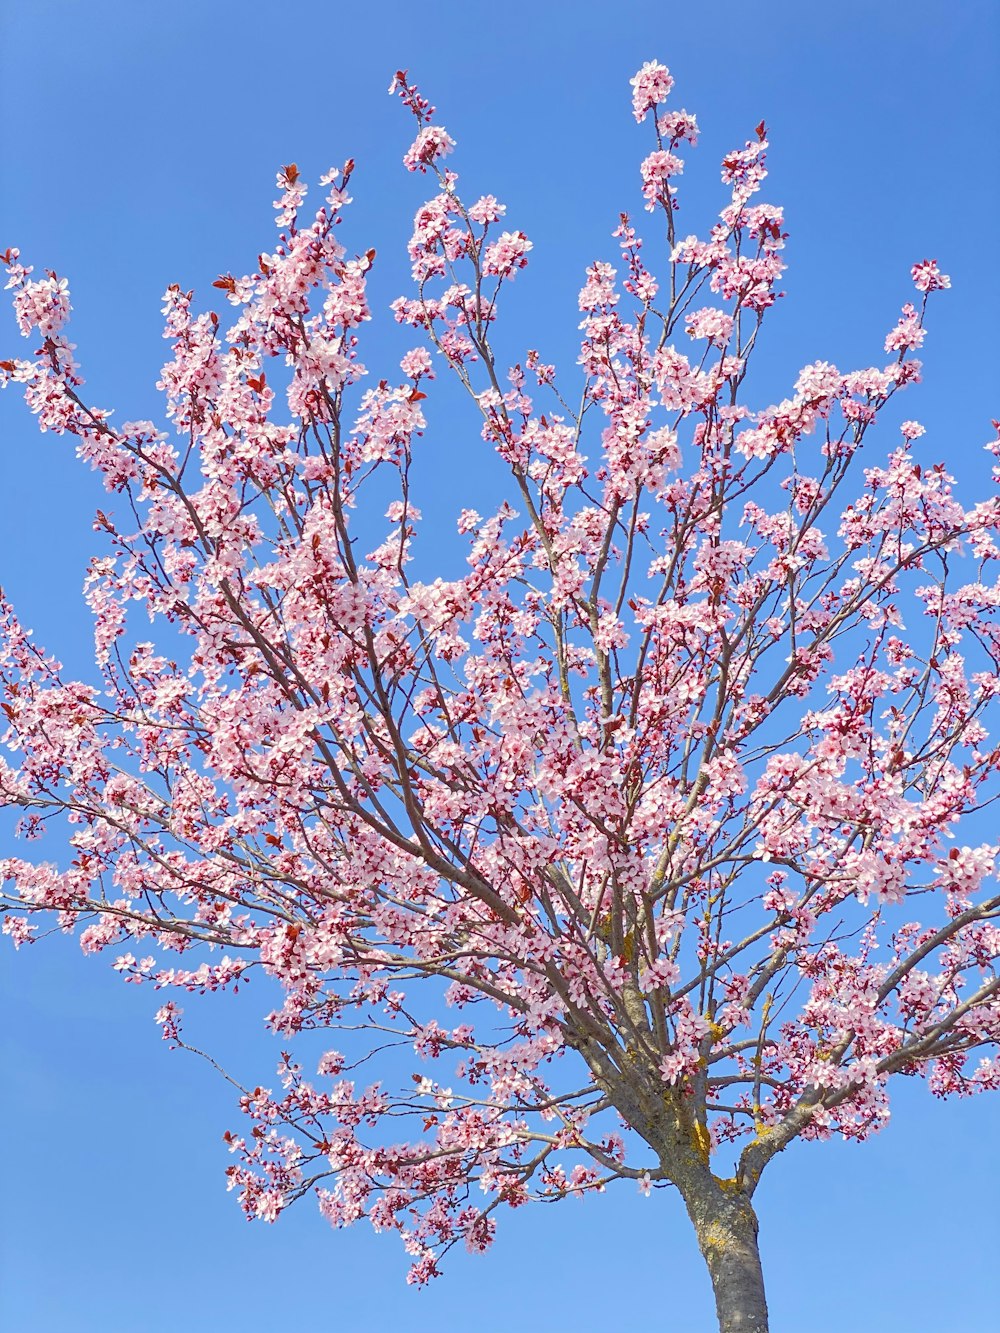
[(138, 146)]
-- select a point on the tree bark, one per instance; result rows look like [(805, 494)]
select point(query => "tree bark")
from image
[(720, 1210), (726, 1226)]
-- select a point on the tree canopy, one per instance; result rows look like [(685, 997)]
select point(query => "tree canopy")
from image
[(644, 834)]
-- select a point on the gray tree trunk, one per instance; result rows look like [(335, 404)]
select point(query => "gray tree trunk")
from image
[(720, 1210), (726, 1226)]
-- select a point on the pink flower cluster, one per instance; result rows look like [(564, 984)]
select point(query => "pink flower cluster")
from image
[(650, 88)]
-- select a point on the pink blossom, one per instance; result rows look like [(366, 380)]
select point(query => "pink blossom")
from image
[(600, 289), (416, 364), (927, 277), (677, 126), (432, 143), (657, 169), (908, 335), (650, 87), (507, 254), (167, 1017), (711, 324), (486, 210), (20, 930)]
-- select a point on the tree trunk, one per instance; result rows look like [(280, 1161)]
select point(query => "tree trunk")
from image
[(720, 1210), (726, 1226)]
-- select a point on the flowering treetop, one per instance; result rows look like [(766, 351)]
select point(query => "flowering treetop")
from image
[(645, 833)]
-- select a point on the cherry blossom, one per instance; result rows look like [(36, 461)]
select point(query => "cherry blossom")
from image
[(650, 88)]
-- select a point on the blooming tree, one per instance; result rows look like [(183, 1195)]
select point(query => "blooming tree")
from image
[(645, 833)]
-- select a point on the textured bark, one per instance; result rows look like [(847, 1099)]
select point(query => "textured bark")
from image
[(721, 1210), (726, 1227)]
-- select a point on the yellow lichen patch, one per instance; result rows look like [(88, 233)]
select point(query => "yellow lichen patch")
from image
[(764, 1132), (730, 1184), (714, 1237), (701, 1141)]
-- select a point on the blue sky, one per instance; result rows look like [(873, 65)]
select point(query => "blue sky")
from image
[(139, 147)]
